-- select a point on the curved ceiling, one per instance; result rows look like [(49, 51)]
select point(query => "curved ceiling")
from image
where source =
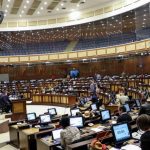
[(39, 8), (43, 14)]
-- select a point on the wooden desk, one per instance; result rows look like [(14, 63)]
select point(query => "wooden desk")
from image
[(66, 100), (112, 108), (45, 143), (18, 109), (14, 133), (27, 139)]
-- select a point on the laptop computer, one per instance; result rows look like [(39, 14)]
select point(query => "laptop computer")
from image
[(105, 115), (56, 135), (127, 107), (76, 122), (138, 103), (121, 133), (74, 111)]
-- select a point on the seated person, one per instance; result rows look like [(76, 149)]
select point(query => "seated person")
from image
[(68, 134), (123, 115), (143, 123), (145, 108), (121, 99)]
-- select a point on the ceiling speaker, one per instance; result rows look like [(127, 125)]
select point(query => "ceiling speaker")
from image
[(1, 16)]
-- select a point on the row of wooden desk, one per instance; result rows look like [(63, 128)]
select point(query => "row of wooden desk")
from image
[(30, 138)]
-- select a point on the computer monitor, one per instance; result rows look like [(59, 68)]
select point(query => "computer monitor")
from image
[(138, 103), (121, 133), (31, 117), (76, 122), (94, 107), (52, 111), (74, 111), (105, 115), (45, 119), (127, 107), (56, 134)]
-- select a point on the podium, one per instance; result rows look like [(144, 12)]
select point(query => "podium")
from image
[(18, 109)]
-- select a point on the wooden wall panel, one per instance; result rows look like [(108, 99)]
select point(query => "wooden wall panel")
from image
[(73, 55), (120, 49), (135, 65), (140, 45), (111, 50), (130, 47), (101, 51)]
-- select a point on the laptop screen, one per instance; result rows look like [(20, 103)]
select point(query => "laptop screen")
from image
[(74, 111), (52, 111), (76, 122), (138, 103), (94, 107), (121, 132), (31, 116), (127, 107), (105, 115), (45, 119), (56, 134)]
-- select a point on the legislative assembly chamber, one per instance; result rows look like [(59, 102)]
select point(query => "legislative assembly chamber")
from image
[(74, 74)]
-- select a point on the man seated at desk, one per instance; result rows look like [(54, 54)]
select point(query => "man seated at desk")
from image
[(123, 115), (143, 123), (68, 134), (145, 108)]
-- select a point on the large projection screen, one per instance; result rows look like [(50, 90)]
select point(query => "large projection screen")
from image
[(4, 77)]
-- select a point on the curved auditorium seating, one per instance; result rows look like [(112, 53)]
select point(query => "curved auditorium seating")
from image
[(124, 28)]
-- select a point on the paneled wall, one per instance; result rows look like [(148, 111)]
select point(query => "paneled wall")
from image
[(135, 65)]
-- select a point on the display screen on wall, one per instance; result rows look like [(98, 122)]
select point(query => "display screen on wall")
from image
[(4, 77)]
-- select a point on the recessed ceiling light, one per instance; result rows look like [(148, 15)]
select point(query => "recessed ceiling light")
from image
[(27, 1), (22, 11), (41, 8), (7, 6), (45, 3), (57, 9), (6, 10), (20, 15), (38, 12), (78, 5), (9, 0), (75, 15), (62, 4), (25, 6)]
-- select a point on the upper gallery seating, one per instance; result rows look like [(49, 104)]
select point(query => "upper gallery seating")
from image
[(127, 27)]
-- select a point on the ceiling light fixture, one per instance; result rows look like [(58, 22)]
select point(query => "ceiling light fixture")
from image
[(75, 15), (45, 3)]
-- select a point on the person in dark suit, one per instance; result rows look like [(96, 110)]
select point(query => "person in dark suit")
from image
[(145, 108), (123, 115), (5, 102), (143, 123)]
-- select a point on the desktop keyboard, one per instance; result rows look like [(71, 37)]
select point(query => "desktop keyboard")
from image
[(46, 127)]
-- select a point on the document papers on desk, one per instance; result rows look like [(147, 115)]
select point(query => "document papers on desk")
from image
[(128, 147), (99, 128)]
